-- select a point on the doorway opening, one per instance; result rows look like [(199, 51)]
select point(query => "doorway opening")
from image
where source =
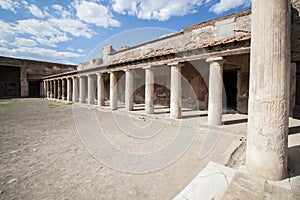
[(34, 88), (10, 82), (230, 84)]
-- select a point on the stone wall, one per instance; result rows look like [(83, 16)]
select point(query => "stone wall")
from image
[(34, 70)]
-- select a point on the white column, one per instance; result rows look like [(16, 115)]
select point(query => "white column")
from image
[(59, 89), (128, 90), (41, 88), (55, 89), (175, 99), (215, 90), (91, 89), (149, 90), (45, 89), (113, 91), (63, 89), (75, 91), (267, 139), (82, 89), (51, 89), (100, 89), (69, 89)]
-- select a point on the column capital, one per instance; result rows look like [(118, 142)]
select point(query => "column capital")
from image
[(175, 64), (215, 59), (147, 67)]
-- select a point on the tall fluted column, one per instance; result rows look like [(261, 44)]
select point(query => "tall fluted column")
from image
[(175, 99), (55, 89), (63, 89), (215, 91), (59, 88), (100, 89), (51, 89), (113, 91), (75, 91), (91, 89), (128, 90), (82, 89), (69, 89), (149, 90), (266, 153)]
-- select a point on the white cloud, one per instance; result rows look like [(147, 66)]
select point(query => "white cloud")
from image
[(42, 31), (225, 5), (72, 26), (9, 5), (34, 10), (24, 42), (94, 13), (57, 7), (80, 50), (7, 36), (39, 53), (61, 11), (156, 9)]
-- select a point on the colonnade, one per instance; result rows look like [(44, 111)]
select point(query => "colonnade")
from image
[(89, 89)]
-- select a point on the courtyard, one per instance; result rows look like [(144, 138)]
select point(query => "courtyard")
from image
[(44, 157)]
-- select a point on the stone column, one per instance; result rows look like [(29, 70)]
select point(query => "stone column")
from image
[(55, 89), (128, 90), (69, 89), (100, 88), (91, 89), (175, 99), (149, 90), (215, 91), (59, 88), (51, 89), (75, 91), (82, 89), (45, 89), (63, 89), (266, 153), (41, 88), (113, 91)]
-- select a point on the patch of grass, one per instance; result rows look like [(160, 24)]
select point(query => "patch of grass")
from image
[(3, 109), (7, 101), (57, 104)]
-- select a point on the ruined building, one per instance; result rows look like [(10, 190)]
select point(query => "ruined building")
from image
[(205, 66)]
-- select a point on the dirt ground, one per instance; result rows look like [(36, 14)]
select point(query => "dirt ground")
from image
[(42, 157)]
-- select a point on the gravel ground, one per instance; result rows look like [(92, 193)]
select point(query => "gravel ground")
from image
[(43, 157)]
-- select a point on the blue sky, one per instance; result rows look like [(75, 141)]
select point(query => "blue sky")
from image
[(74, 31)]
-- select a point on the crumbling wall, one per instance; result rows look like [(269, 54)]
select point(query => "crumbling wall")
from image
[(225, 27)]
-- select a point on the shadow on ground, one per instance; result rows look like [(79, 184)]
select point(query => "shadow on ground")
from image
[(293, 161)]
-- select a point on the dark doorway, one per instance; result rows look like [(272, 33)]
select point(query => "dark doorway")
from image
[(34, 88), (9, 82), (230, 84)]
